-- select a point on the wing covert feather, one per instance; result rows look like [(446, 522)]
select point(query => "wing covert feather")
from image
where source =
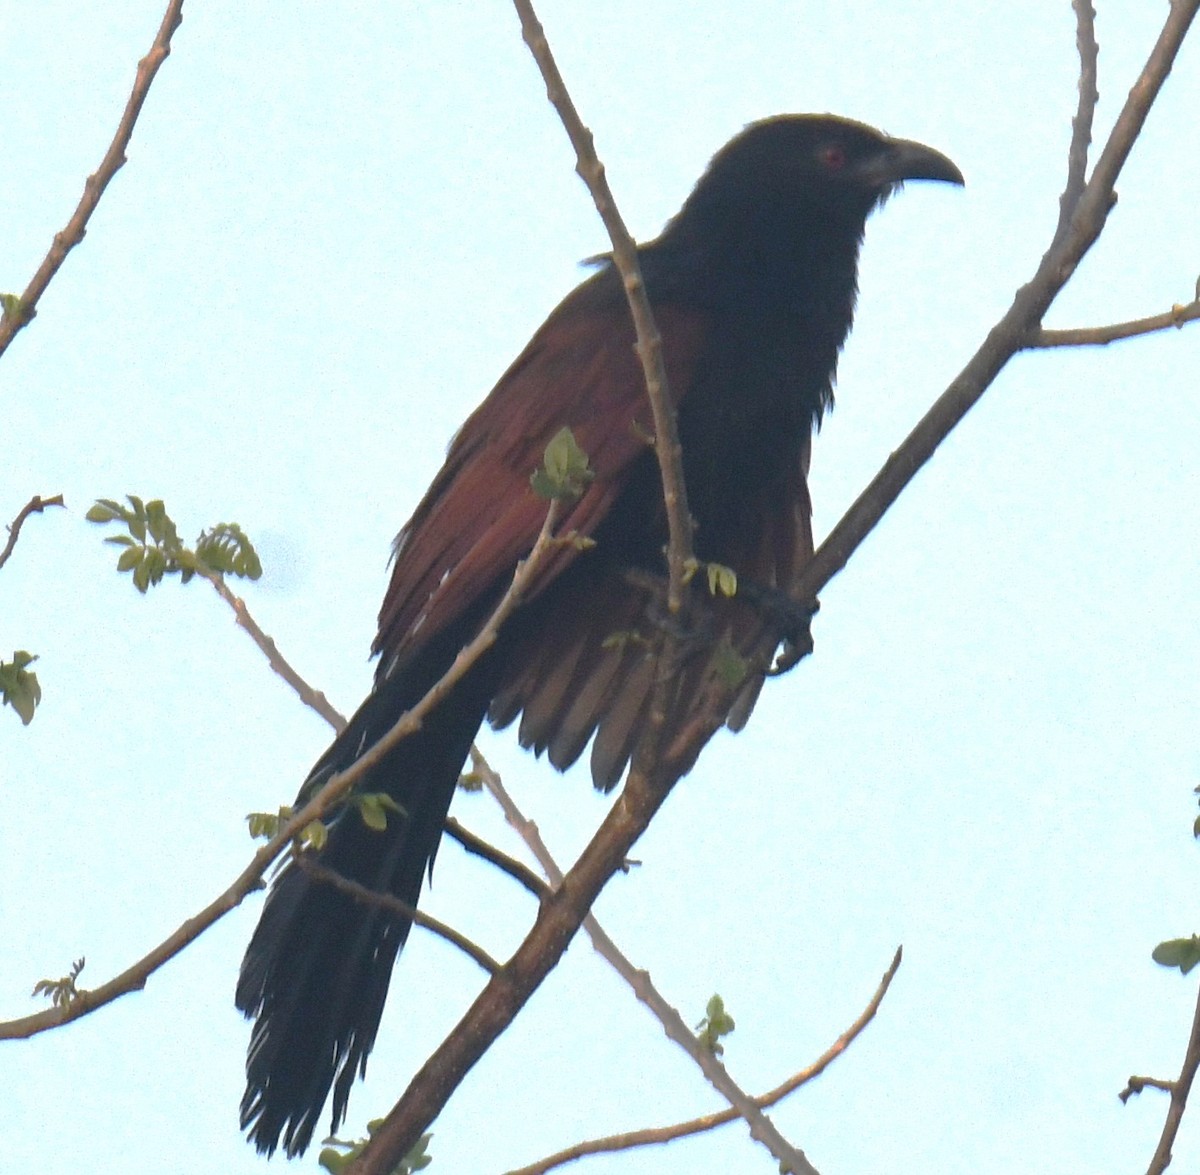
[(480, 515)]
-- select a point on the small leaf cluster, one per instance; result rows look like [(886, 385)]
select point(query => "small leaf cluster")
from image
[(722, 580), (339, 1153), (152, 547), (717, 1023), (264, 825), (1183, 953), (61, 992), (471, 781), (19, 685), (373, 807), (564, 473)]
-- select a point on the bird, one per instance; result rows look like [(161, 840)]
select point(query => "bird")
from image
[(753, 286)]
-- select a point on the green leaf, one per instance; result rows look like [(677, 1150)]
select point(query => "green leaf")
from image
[(162, 529), (564, 473), (333, 1161), (155, 564), (1183, 953), (103, 512), (341, 1152), (717, 1023), (130, 557), (722, 580), (10, 304), (374, 807), (19, 686), (61, 992), (227, 549), (264, 825), (470, 781), (314, 835)]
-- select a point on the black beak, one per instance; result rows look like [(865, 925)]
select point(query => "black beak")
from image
[(902, 159)]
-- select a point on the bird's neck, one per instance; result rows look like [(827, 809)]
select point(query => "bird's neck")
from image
[(792, 261)]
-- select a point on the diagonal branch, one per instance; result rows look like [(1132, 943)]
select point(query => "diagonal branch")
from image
[(20, 312), (333, 792), (313, 698), (481, 848), (649, 343), (658, 1135), (1019, 325), (385, 901), (744, 1105)]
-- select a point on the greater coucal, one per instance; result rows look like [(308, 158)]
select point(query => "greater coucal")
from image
[(753, 287)]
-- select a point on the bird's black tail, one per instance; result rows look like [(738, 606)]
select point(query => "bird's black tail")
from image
[(316, 973)]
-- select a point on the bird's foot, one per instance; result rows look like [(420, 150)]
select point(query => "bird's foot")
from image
[(690, 626), (790, 618)]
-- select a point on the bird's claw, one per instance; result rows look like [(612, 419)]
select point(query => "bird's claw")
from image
[(790, 618)]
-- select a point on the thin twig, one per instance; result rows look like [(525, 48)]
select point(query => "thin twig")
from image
[(563, 913), (649, 342), (1081, 124), (1178, 1089), (481, 848), (250, 879), (1101, 336), (14, 320), (35, 505), (385, 901), (1136, 1084), (312, 698), (663, 1134)]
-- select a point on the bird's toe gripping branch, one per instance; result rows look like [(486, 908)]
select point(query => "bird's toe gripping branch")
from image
[(790, 618)]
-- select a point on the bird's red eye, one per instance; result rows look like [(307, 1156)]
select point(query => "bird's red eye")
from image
[(833, 157)]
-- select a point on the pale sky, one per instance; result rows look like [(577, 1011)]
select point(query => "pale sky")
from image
[(337, 226)]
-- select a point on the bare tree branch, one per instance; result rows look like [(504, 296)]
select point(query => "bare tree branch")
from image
[(481, 848), (312, 698), (1178, 1089), (1081, 124), (638, 979), (385, 901), (659, 1135), (649, 342), (1101, 336), (338, 786), (18, 316), (35, 505)]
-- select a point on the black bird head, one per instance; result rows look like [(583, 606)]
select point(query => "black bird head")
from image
[(789, 198), (809, 160)]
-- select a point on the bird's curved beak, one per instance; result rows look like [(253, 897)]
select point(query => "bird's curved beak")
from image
[(903, 159)]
